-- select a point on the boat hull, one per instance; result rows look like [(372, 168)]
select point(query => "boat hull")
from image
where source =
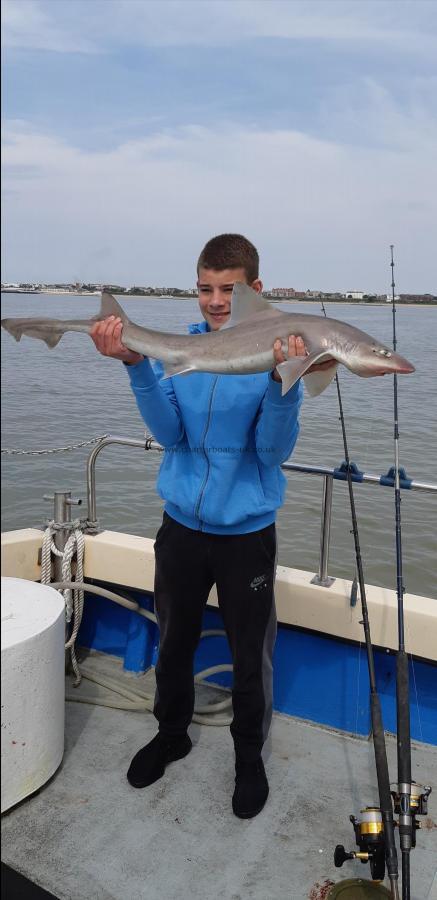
[(320, 667)]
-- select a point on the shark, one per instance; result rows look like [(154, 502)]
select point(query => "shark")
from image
[(244, 345)]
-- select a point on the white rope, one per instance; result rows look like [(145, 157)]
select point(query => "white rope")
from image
[(134, 698), (73, 598)]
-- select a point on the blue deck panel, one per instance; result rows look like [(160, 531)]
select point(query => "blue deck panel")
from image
[(113, 629), (315, 677), (423, 696)]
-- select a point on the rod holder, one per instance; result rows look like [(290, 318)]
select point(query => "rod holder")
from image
[(323, 579), (63, 501)]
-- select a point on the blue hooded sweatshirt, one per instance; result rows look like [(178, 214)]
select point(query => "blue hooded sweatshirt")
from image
[(225, 437)]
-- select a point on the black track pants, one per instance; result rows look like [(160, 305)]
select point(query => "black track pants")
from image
[(242, 566)]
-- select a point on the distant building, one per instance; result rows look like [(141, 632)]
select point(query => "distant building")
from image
[(355, 295), (282, 292), (417, 298)]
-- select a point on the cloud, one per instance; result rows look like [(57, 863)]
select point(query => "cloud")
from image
[(322, 212), (364, 112), (61, 27), (27, 24)]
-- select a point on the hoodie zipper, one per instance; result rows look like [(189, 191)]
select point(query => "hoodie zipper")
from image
[(205, 432)]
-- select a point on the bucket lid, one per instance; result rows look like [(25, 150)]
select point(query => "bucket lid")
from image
[(357, 889), (28, 609)]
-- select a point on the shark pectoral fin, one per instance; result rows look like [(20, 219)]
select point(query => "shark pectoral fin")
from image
[(110, 307), (295, 367), (316, 382), (177, 369)]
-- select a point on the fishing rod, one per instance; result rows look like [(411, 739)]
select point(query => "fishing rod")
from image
[(403, 797), (374, 833), (410, 799)]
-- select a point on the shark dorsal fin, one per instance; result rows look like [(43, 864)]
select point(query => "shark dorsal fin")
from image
[(245, 303), (110, 307)]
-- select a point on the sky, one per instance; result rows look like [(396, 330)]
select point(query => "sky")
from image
[(135, 130)]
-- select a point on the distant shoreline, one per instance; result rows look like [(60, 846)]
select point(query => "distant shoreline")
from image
[(55, 293), (352, 303), (170, 297)]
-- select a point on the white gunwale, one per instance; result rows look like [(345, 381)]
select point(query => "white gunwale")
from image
[(128, 560)]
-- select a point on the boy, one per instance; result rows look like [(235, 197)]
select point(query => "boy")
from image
[(225, 438)]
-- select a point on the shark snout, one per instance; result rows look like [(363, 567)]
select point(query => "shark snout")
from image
[(401, 365), (389, 364), (402, 368)]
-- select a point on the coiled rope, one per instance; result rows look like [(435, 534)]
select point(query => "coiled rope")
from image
[(73, 591), (73, 595), (135, 699), (126, 696)]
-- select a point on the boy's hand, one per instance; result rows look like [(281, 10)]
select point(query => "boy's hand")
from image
[(296, 347), (106, 335)]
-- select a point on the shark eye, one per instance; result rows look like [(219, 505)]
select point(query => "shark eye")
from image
[(381, 351)]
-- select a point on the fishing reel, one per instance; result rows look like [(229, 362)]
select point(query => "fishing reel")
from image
[(369, 835), (418, 805)]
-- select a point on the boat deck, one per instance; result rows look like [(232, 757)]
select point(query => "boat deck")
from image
[(88, 834)]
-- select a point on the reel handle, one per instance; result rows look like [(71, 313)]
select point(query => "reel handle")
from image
[(341, 855)]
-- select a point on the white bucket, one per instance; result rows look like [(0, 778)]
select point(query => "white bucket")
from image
[(33, 692)]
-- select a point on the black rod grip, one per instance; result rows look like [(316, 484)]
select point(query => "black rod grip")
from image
[(406, 887), (383, 785), (403, 718)]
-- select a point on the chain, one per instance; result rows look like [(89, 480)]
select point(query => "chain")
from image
[(12, 452)]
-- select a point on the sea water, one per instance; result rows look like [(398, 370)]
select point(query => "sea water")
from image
[(70, 394)]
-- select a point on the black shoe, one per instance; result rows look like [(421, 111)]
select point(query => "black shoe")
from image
[(149, 763), (251, 789)]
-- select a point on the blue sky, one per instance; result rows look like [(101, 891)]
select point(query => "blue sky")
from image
[(134, 130)]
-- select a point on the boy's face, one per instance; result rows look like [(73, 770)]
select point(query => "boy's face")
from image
[(215, 292)]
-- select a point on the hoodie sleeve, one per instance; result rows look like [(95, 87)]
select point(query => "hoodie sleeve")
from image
[(156, 402), (277, 427)]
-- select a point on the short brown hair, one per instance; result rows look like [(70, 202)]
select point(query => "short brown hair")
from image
[(230, 251)]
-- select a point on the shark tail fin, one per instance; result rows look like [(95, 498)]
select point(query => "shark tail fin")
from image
[(37, 329), (110, 307)]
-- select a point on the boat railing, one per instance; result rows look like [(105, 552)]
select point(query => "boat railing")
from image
[(329, 475)]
